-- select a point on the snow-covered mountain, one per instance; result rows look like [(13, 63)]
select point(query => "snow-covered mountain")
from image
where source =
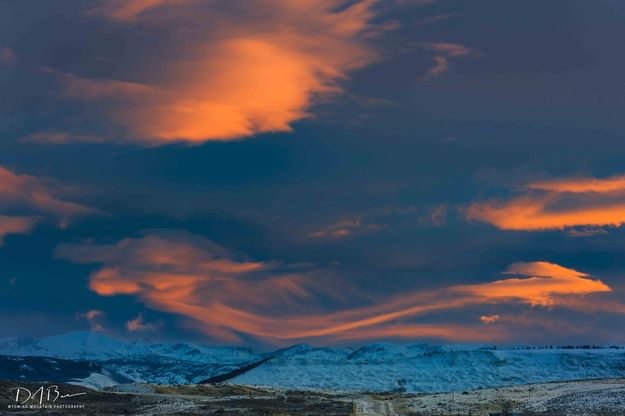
[(374, 367), (428, 368), (95, 346), (135, 361)]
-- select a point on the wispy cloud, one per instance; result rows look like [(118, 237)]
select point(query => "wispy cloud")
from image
[(377, 220), (138, 324), (582, 185), (61, 137), (442, 53), (125, 10), (557, 204), (26, 193), (348, 227), (490, 319), (232, 74), (7, 56), (543, 283), (31, 192), (15, 225), (95, 319), (227, 295)]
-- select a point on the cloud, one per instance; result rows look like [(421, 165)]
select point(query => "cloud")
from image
[(345, 228), (585, 232), (7, 56), (547, 281), (442, 53), (31, 192), (451, 332), (380, 219), (95, 89), (61, 137), (15, 225), (94, 317), (490, 319), (582, 185), (436, 217), (27, 193), (126, 10), (138, 324), (557, 204), (226, 295), (231, 73)]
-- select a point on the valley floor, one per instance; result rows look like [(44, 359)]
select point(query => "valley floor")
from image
[(576, 398)]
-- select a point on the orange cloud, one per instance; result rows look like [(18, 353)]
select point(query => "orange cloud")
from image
[(226, 295), (546, 282), (535, 214), (582, 185), (490, 319), (128, 10), (231, 74), (31, 192), (558, 204), (15, 225), (449, 332)]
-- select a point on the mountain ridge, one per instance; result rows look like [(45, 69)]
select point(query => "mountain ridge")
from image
[(416, 367)]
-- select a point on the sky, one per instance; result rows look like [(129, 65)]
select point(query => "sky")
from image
[(269, 172)]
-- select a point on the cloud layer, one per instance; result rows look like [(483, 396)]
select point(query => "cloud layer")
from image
[(227, 296)]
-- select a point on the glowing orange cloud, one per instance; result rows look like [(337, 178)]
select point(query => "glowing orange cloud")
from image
[(534, 214), (546, 282), (15, 225), (226, 296), (582, 185), (237, 74), (446, 332), (558, 204)]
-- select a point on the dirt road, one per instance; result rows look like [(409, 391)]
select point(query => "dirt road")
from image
[(368, 406)]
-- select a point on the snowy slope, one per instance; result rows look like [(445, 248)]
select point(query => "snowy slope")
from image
[(75, 345), (134, 361), (98, 347), (373, 367), (423, 368)]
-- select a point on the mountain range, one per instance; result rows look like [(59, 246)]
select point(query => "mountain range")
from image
[(96, 360)]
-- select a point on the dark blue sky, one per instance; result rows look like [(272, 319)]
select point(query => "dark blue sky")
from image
[(268, 172)]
